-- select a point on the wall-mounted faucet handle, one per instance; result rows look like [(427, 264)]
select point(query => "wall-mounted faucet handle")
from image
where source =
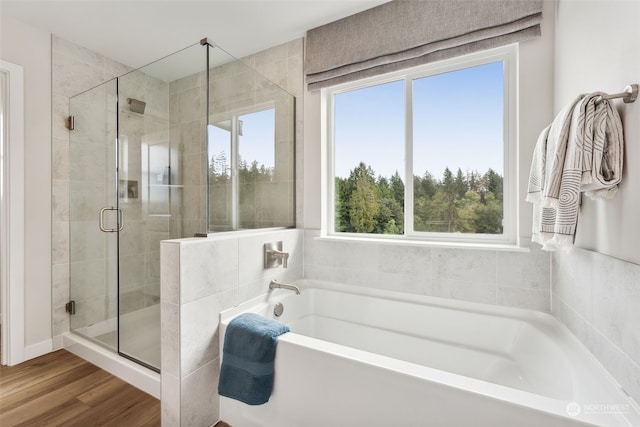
[(274, 256), (284, 256)]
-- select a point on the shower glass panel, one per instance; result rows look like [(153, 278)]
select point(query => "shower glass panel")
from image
[(93, 254), (193, 143), (251, 148), (161, 118)]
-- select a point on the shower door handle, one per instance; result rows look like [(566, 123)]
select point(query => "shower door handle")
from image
[(120, 220)]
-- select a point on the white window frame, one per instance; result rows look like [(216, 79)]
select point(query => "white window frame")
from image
[(509, 56)]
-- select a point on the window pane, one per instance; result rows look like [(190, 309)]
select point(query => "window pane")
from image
[(369, 159), (458, 150)]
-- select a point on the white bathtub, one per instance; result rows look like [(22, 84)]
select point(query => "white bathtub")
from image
[(356, 358)]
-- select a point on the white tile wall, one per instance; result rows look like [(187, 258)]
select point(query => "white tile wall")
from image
[(598, 298), (519, 279), (199, 279)]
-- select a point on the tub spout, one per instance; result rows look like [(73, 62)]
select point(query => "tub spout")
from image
[(274, 284)]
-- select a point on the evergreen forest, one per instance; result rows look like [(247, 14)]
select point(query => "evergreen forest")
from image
[(468, 202)]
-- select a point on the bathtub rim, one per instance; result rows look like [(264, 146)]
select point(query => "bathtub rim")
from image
[(505, 394)]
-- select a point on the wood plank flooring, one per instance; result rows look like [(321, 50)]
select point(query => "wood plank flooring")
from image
[(61, 389)]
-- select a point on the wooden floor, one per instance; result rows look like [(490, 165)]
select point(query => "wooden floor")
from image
[(61, 389)]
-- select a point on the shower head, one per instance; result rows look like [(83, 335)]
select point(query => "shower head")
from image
[(136, 106)]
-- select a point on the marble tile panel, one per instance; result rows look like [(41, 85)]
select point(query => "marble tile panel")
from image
[(572, 320), (524, 270), (61, 46), (115, 69), (87, 279), (132, 271), (475, 290), (405, 259), (60, 159), (60, 282), (87, 241), (59, 114), (572, 280), (463, 265), (356, 255), (199, 398), (72, 75), (189, 105), (625, 370), (190, 82), (532, 299), (60, 200), (157, 104), (207, 267), (170, 338), (411, 283), (170, 272), (170, 401), (60, 321), (274, 54), (60, 242), (199, 338)]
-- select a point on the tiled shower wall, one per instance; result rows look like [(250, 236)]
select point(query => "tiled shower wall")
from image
[(189, 153), (597, 297)]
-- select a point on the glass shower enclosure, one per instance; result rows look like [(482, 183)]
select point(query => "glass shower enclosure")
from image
[(194, 143)]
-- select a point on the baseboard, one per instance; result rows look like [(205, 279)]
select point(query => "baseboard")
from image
[(35, 350)]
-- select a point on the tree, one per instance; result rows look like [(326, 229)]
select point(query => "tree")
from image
[(460, 184), (460, 203), (489, 216), (363, 203)]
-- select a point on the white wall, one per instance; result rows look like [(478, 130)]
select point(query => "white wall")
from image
[(598, 296), (30, 47), (597, 47)]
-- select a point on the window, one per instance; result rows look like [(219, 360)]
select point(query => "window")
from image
[(428, 154)]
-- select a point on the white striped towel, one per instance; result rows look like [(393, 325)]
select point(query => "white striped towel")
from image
[(581, 151)]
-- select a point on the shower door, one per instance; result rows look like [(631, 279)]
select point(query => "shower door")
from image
[(93, 254), (114, 250), (137, 176)]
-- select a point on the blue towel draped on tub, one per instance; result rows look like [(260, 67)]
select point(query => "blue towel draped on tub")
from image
[(248, 358)]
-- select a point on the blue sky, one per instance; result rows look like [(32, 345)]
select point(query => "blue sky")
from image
[(458, 122)]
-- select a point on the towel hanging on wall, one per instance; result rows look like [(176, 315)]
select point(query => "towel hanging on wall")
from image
[(581, 151)]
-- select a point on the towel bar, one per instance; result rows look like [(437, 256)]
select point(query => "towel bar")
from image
[(629, 95)]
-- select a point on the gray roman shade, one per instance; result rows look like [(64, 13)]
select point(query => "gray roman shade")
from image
[(406, 33)]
